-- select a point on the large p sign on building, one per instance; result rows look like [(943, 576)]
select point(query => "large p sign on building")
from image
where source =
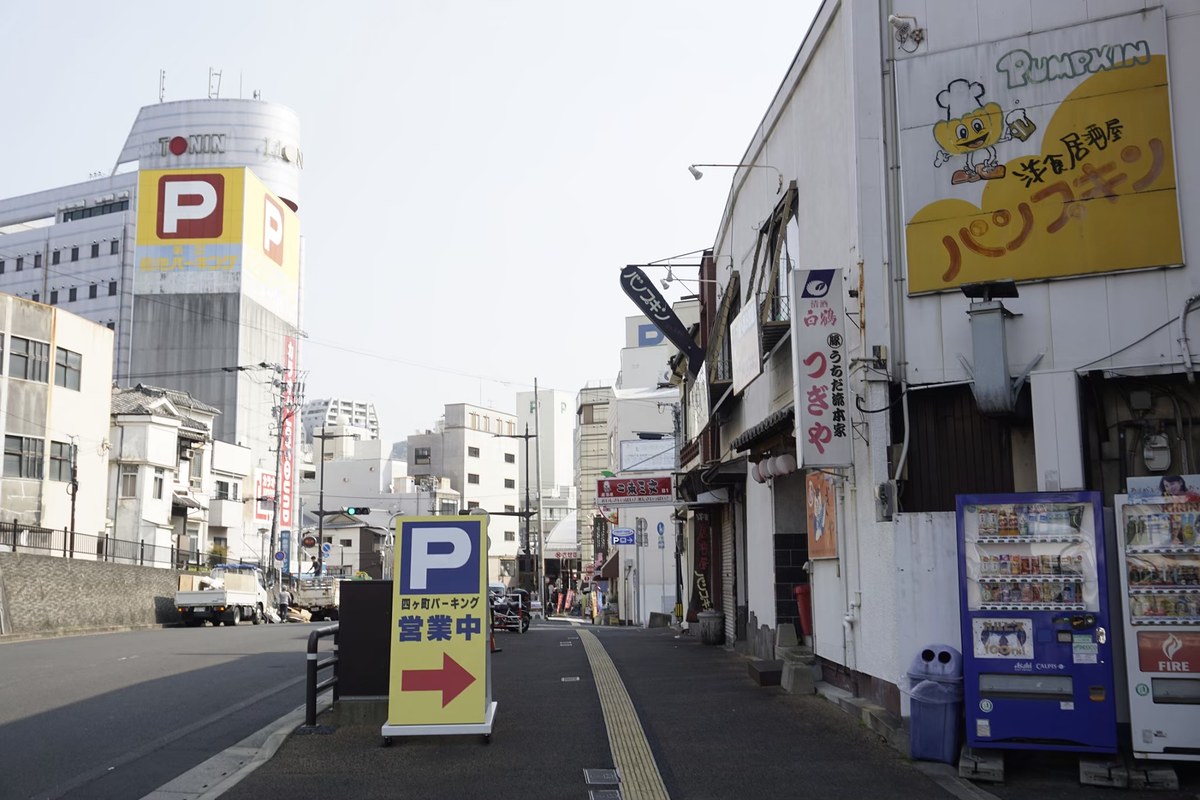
[(272, 230), (190, 206)]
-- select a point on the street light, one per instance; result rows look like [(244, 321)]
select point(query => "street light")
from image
[(697, 174), (321, 482)]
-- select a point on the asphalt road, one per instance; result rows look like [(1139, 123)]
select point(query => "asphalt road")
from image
[(116, 715)]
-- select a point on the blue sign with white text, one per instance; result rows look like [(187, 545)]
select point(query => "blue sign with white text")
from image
[(649, 335), (440, 557), (623, 536)]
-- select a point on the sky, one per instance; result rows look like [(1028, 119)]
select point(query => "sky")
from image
[(476, 172)]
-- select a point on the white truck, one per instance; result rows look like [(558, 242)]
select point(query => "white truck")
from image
[(228, 594), (318, 596)]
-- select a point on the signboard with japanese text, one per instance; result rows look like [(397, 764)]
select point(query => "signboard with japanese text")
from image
[(641, 291), (439, 651), (820, 369), (622, 536), (287, 436), (634, 491), (1040, 156), (697, 404)]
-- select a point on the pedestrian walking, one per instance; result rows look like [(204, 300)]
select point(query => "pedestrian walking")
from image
[(285, 600)]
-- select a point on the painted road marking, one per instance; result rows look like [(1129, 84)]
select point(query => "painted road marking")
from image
[(640, 778)]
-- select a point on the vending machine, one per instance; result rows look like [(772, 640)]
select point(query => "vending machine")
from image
[(1037, 650), (1160, 604)]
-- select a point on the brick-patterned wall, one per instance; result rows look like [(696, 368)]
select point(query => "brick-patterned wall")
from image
[(44, 593)]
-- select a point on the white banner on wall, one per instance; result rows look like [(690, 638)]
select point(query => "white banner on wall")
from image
[(743, 347), (820, 369)]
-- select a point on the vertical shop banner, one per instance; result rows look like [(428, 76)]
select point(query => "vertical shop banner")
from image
[(1040, 156), (287, 461), (819, 367), (641, 291), (822, 516), (701, 599)]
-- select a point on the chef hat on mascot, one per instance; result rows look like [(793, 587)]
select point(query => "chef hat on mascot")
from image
[(960, 97)]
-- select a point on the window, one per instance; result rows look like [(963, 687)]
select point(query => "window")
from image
[(67, 368), (29, 360), (60, 462), (112, 326), (197, 473), (421, 455), (1, 266), (510, 458), (72, 295), (449, 508), (54, 297), (92, 292), (472, 478), (74, 253), (226, 490), (112, 288), (473, 452), (509, 483), (474, 420), (36, 297), (472, 504), (20, 263), (95, 249), (346, 542), (160, 476), (114, 247), (509, 536), (128, 480), (37, 260), (510, 509), (55, 257), (23, 457), (98, 210)]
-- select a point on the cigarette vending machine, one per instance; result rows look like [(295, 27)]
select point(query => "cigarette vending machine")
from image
[(1037, 654), (1160, 603)]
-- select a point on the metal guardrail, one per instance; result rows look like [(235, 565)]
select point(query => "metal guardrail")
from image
[(315, 686)]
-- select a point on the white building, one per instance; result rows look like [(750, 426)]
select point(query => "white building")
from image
[(476, 448), (189, 250), (641, 433), (318, 414), (953, 380), (550, 415), (55, 386), (593, 458)]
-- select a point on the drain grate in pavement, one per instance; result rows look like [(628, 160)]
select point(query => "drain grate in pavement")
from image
[(571, 679), (604, 794), (601, 777)]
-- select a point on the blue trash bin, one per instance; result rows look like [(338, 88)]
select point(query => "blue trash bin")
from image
[(936, 703)]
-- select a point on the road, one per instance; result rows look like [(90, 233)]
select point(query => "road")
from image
[(116, 715)]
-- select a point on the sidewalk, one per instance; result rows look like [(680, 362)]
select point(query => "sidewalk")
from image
[(713, 733)]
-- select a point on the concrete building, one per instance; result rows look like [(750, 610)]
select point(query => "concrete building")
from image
[(189, 251), (641, 433), (55, 387), (473, 447), (593, 457), (318, 414), (1009, 325)]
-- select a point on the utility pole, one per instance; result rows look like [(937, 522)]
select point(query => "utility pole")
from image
[(540, 563), (677, 413), (322, 436), (73, 489)]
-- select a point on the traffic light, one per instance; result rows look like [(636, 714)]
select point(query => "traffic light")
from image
[(355, 510)]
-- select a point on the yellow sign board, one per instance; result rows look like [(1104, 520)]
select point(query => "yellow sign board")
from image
[(439, 679), (1045, 156)]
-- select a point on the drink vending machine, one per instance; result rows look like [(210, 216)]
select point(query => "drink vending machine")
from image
[(1037, 654), (1160, 600)]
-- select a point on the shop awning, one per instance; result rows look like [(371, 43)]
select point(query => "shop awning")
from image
[(774, 424), (611, 569), (185, 500)]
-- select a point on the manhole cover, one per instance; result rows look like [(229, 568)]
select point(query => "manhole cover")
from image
[(601, 777), (604, 794)]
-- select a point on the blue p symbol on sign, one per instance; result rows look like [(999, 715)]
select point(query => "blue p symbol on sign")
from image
[(440, 558), (649, 335)]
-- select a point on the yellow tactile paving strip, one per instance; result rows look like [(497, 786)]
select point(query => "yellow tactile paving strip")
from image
[(640, 779)]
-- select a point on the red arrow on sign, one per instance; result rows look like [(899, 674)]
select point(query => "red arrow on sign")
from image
[(451, 680)]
